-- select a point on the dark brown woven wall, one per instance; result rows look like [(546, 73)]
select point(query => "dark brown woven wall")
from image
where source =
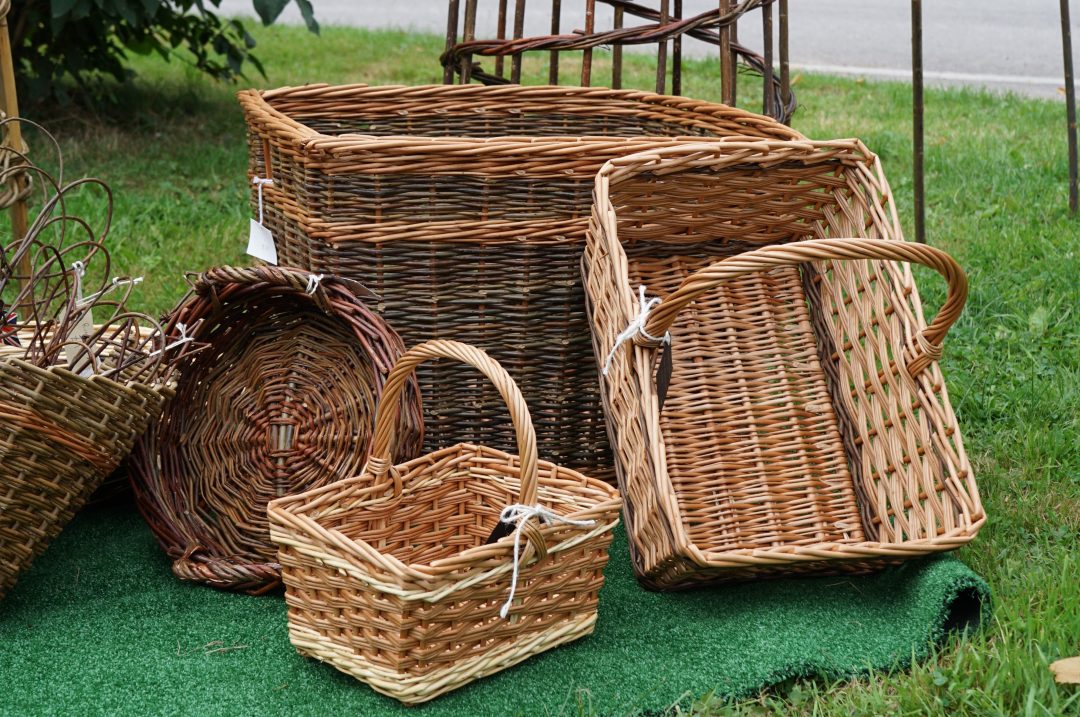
[(465, 209)]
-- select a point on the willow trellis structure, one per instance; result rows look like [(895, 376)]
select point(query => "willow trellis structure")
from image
[(665, 26)]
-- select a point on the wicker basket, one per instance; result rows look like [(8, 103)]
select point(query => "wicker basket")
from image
[(60, 435), (806, 427), (465, 208), (282, 401), (413, 591), (73, 396)]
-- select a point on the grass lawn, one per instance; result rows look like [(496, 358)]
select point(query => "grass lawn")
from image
[(173, 152)]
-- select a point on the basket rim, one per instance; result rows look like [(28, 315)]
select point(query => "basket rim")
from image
[(295, 511), (831, 550), (603, 232), (258, 110), (165, 390), (739, 152)]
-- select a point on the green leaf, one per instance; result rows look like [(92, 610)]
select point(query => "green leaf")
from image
[(126, 10), (268, 10), (308, 14), (63, 7)]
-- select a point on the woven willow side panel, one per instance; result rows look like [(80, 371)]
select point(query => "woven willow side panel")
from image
[(792, 440), (465, 208)]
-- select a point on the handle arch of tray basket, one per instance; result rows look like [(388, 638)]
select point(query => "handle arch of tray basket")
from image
[(923, 350), (380, 464)]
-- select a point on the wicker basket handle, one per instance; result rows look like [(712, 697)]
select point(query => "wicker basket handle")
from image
[(924, 350), (380, 462)]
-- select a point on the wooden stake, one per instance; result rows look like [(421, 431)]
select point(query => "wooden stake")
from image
[(661, 52), (767, 103), (1070, 105), (519, 30), (785, 68), (586, 55), (451, 39), (19, 212), (727, 68), (676, 55), (917, 121), (556, 22), (468, 36), (616, 53)]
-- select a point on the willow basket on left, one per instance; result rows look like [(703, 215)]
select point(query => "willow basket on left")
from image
[(281, 401), (61, 435)]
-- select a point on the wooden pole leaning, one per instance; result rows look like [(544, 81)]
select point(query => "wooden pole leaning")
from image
[(10, 107)]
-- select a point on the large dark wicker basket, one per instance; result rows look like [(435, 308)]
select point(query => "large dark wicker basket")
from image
[(283, 400), (465, 209)]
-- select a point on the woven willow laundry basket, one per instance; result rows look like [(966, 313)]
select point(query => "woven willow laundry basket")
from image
[(806, 426), (465, 208), (402, 586), (282, 400)]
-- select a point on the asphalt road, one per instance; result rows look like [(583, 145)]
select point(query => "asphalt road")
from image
[(1000, 44)]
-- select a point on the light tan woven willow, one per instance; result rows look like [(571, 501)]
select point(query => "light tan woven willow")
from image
[(806, 427), (405, 591), (465, 209)]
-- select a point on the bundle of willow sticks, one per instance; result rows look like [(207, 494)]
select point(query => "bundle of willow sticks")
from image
[(81, 376)]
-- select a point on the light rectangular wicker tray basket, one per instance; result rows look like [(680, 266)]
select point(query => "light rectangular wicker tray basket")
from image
[(806, 427)]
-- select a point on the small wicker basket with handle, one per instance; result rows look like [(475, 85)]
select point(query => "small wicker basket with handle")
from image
[(399, 577), (778, 408)]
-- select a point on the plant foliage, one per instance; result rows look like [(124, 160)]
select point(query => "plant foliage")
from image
[(61, 44)]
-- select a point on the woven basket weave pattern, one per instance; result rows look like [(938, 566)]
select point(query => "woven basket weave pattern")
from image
[(401, 590), (282, 401), (793, 437), (465, 208), (63, 434)]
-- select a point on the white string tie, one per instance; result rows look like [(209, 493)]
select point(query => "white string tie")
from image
[(636, 326), (520, 514), (260, 183), (80, 271), (313, 282), (116, 283), (184, 338)]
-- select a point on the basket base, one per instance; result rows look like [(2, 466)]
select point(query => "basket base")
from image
[(415, 690)]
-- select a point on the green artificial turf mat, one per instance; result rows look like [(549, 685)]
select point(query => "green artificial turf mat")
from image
[(100, 626)]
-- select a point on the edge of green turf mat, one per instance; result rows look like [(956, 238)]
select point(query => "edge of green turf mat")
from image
[(100, 626)]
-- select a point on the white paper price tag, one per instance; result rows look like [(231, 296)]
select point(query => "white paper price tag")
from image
[(261, 243), (72, 352)]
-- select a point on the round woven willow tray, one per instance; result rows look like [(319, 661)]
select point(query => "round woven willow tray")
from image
[(282, 401)]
